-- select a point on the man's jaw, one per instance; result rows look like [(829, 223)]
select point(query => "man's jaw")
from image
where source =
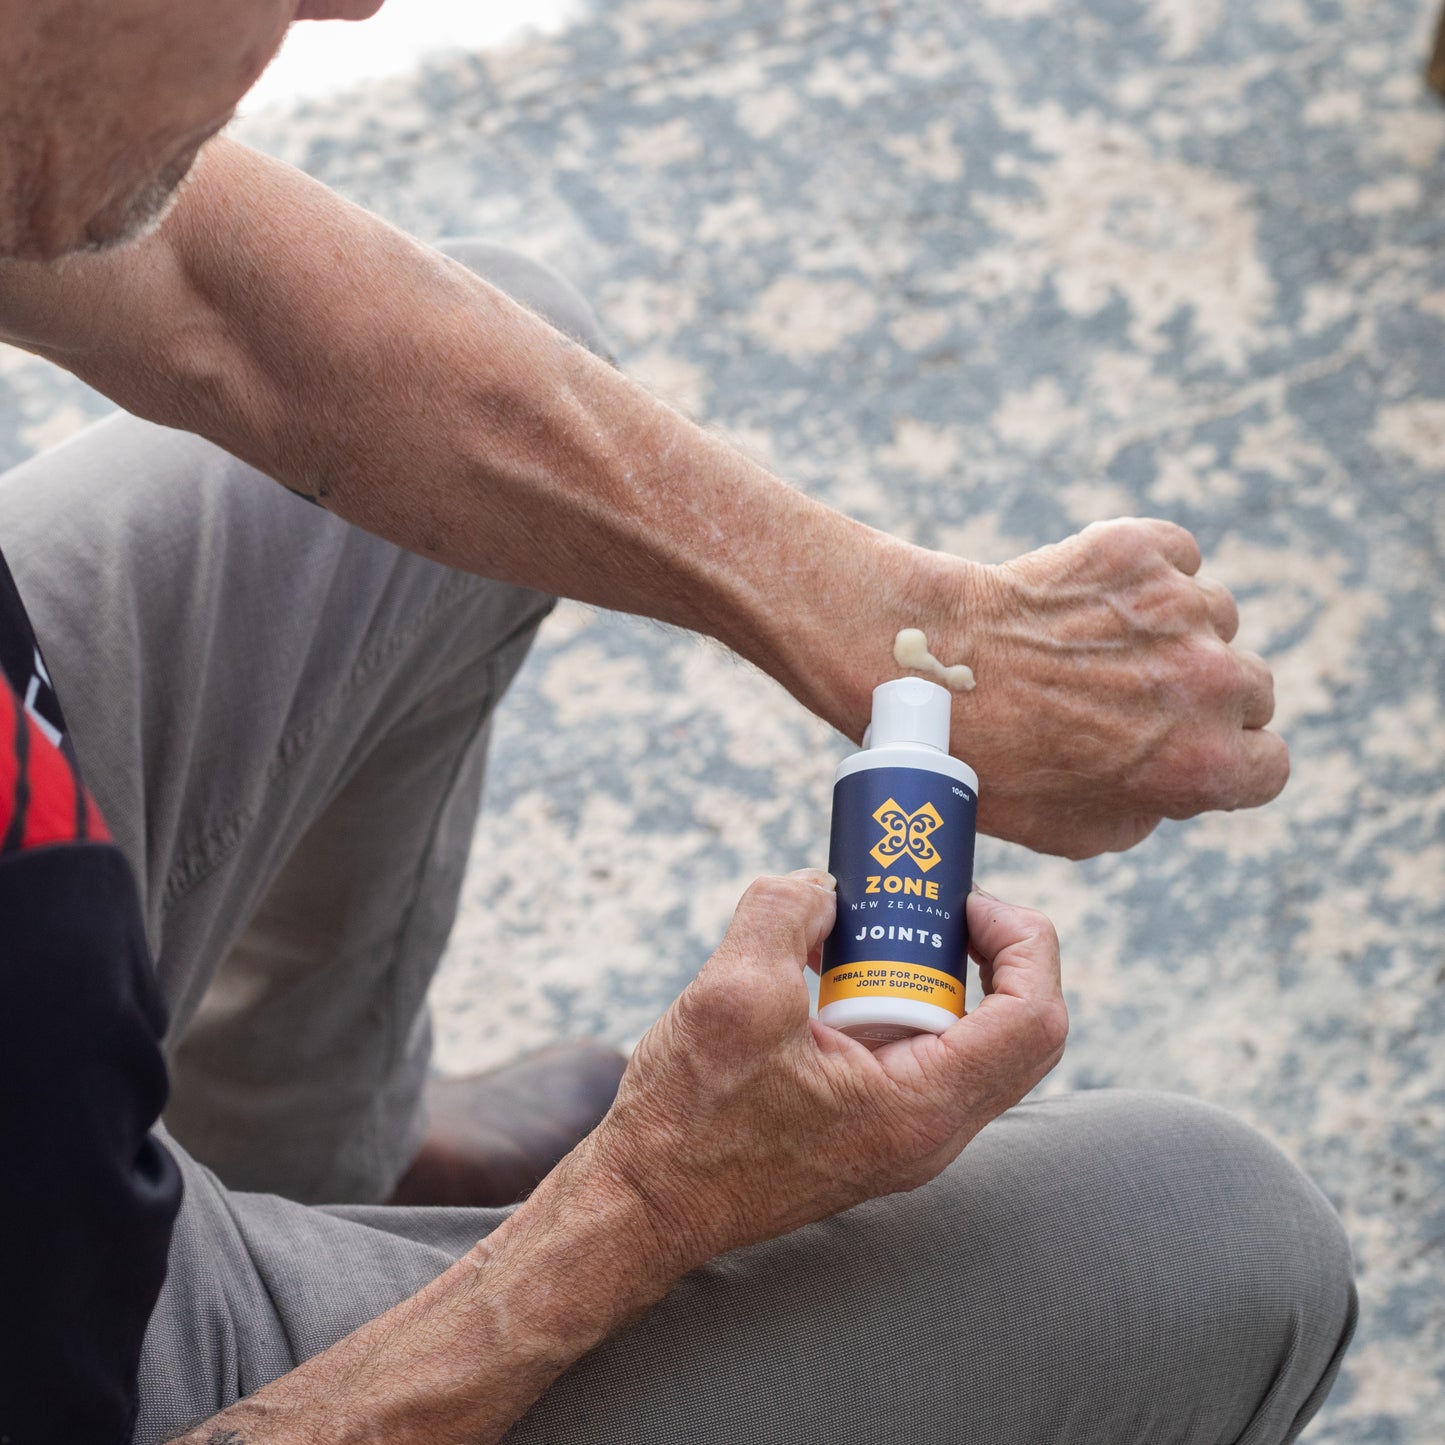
[(140, 214)]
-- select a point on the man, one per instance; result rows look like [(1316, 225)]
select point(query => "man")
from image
[(280, 711)]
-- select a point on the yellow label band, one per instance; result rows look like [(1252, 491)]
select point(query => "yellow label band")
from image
[(882, 978)]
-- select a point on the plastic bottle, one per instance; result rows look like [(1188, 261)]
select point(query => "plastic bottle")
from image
[(904, 821)]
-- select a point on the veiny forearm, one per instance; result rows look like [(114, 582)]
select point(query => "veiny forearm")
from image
[(462, 1360), (352, 363)]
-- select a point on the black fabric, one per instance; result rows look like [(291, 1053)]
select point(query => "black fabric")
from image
[(17, 640), (89, 1196)]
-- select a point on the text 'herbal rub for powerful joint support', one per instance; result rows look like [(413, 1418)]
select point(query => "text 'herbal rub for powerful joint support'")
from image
[(901, 849)]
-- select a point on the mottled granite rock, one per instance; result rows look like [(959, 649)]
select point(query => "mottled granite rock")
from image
[(981, 274)]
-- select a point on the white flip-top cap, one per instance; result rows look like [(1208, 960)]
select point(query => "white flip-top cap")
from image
[(910, 710)]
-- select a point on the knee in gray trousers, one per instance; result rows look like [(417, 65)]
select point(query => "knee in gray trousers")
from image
[(1105, 1268)]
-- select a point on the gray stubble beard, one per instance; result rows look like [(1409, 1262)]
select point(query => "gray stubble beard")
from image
[(144, 212)]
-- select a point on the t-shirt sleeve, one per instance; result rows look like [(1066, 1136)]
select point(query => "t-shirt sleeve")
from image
[(88, 1195)]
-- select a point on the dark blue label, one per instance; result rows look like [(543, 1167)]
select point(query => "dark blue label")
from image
[(902, 852)]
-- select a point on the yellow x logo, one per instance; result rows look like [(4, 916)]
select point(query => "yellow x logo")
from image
[(907, 833)]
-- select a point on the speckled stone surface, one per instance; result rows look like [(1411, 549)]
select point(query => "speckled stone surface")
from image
[(981, 274)]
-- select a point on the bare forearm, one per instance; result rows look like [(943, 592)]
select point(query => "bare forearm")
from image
[(462, 1360), (351, 363), (356, 365)]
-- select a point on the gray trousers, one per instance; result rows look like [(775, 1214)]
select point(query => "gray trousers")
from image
[(284, 721)]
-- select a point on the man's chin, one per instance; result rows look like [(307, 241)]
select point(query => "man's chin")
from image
[(139, 215)]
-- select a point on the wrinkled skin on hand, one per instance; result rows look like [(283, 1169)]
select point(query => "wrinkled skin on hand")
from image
[(1108, 694), (740, 1118)]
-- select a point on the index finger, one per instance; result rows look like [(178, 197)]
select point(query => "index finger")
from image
[(1016, 1035), (1019, 945), (997, 1053)]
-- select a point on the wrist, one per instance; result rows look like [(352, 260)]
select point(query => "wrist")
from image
[(584, 1255), (671, 1222), (829, 638), (460, 1361)]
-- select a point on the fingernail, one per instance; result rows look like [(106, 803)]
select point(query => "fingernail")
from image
[(984, 893), (818, 876)]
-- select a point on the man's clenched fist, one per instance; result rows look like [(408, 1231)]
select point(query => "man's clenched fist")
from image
[(1108, 693)]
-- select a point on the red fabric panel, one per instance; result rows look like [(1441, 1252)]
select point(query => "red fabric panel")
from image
[(9, 764), (53, 814)]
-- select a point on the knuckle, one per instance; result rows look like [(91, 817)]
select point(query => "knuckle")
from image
[(1264, 709), (1181, 540), (1196, 778), (1038, 928), (1281, 771), (1053, 1024), (1180, 606), (724, 1012), (770, 914), (776, 895), (1257, 683), (1224, 601), (1269, 776), (692, 1010), (717, 1004), (1121, 543), (1048, 935), (1208, 774), (765, 891), (1212, 669)]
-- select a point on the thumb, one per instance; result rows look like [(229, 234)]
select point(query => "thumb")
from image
[(780, 923)]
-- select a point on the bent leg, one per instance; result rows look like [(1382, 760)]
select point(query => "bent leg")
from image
[(303, 1069), (284, 722), (1105, 1267)]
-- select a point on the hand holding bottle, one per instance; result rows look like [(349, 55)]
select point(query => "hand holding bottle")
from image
[(740, 1118)]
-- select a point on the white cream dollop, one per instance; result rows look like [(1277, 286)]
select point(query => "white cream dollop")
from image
[(910, 651)]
